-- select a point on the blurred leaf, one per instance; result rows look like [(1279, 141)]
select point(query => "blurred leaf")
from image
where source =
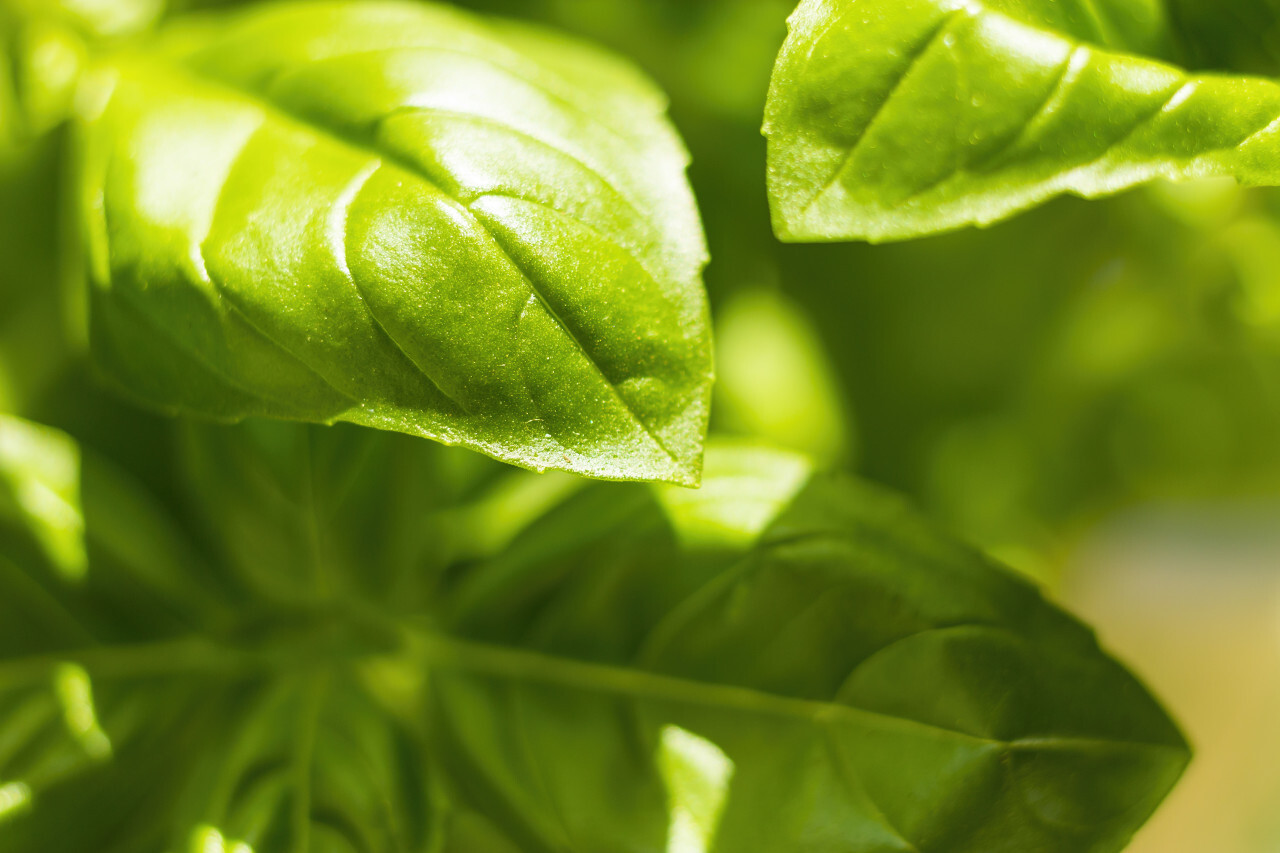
[(697, 776), (40, 483), (1231, 35), (32, 348), (601, 683), (318, 514), (311, 764), (1011, 387), (775, 381), (752, 484), (253, 743), (45, 46)]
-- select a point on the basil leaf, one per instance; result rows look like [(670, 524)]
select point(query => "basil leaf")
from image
[(850, 680), (400, 216), (889, 120), (194, 721), (763, 342), (45, 47), (40, 489), (310, 763), (309, 514), (687, 649), (97, 594)]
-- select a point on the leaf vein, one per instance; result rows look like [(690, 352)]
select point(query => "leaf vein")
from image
[(418, 172), (577, 341), (340, 230), (856, 145), (852, 781), (578, 159), (450, 653), (524, 76)]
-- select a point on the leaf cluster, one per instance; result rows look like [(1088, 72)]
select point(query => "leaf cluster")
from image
[(307, 235)]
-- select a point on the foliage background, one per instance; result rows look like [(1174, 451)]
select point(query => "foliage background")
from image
[(1090, 391)]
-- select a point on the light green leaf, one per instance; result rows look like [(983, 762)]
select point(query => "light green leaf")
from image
[(752, 484), (40, 485), (697, 776), (891, 119), (405, 217), (46, 45), (873, 686), (775, 380)]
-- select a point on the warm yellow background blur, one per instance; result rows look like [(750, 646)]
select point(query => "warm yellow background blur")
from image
[(1192, 601)]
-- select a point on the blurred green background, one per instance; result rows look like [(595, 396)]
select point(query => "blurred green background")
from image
[(1091, 391)]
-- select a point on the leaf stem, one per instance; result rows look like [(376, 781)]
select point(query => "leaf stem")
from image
[(187, 655)]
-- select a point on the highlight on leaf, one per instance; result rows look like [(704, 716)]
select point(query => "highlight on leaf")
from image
[(40, 484), (697, 775), (892, 119), (406, 217)]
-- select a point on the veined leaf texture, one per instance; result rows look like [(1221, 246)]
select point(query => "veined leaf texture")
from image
[(892, 119), (406, 217), (830, 675)]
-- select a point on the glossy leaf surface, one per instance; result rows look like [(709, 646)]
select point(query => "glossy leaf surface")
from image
[(408, 218), (632, 687), (889, 120)]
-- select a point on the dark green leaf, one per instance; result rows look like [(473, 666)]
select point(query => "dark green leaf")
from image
[(1231, 35), (404, 217), (891, 119), (849, 682), (209, 727), (774, 662), (309, 764), (302, 513)]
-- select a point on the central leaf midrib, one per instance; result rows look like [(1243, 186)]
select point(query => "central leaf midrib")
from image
[(430, 649), (264, 101), (446, 652), (973, 9)]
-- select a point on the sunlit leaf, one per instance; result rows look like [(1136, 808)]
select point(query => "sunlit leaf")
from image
[(891, 119), (40, 483), (402, 216)]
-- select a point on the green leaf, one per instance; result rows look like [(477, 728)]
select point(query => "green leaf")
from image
[(311, 765), (764, 343), (851, 681), (1235, 35), (408, 218), (204, 726), (891, 119), (310, 514), (45, 46), (40, 488), (637, 670)]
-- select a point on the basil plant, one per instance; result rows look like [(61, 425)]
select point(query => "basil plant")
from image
[(356, 379)]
